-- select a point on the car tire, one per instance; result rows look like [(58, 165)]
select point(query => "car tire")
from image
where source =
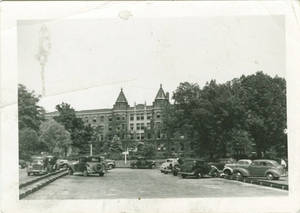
[(28, 173), (175, 173), (183, 176), (110, 167), (227, 172), (270, 176), (85, 173), (101, 174)]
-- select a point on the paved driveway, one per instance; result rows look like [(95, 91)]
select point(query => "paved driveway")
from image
[(143, 183)]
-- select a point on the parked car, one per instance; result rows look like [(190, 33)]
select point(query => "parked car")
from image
[(87, 165), (261, 168), (38, 165), (22, 164), (194, 167), (168, 165), (228, 168), (110, 164), (220, 163), (142, 163), (62, 163)]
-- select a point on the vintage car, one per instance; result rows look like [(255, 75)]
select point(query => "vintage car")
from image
[(194, 167), (261, 168), (38, 165), (62, 163), (220, 163), (110, 164), (142, 163), (168, 165), (87, 165), (228, 168)]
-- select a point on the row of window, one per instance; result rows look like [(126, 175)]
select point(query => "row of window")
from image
[(139, 116)]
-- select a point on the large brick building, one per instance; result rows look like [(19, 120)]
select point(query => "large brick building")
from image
[(132, 124)]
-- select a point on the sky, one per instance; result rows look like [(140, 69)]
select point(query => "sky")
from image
[(90, 60)]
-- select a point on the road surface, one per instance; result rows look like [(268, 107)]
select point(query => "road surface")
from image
[(143, 183)]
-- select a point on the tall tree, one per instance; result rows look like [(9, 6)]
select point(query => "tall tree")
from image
[(56, 137), (30, 116), (80, 134), (30, 113), (264, 99)]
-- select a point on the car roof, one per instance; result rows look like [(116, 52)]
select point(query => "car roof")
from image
[(264, 160)]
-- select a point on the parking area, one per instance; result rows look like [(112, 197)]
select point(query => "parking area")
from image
[(147, 183)]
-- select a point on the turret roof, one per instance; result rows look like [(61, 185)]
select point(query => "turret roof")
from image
[(160, 94), (121, 98)]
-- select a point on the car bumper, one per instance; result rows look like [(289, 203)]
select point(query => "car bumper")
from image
[(186, 173)]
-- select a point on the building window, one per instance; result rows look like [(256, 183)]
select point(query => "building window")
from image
[(142, 116), (94, 119), (123, 118), (138, 127), (158, 115), (148, 125), (158, 124), (149, 116), (102, 118), (131, 126), (109, 128), (118, 118), (142, 136), (110, 118), (138, 117), (142, 125), (131, 117), (131, 136), (123, 126)]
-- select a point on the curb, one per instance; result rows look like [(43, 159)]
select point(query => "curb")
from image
[(259, 182), (42, 184), (39, 178)]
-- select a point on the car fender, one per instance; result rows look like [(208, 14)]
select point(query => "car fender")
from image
[(244, 171), (273, 171), (228, 168)]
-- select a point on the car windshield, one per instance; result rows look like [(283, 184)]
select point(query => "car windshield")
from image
[(94, 159), (37, 161)]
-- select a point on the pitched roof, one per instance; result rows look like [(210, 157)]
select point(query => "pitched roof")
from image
[(160, 94), (121, 98)]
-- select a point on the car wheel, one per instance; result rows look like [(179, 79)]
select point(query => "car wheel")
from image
[(101, 174), (110, 166), (28, 173), (175, 173), (183, 176), (270, 176), (85, 173), (227, 172)]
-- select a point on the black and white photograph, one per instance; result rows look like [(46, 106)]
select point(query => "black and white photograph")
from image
[(142, 107)]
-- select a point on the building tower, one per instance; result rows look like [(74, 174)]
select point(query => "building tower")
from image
[(161, 98), (121, 102)]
